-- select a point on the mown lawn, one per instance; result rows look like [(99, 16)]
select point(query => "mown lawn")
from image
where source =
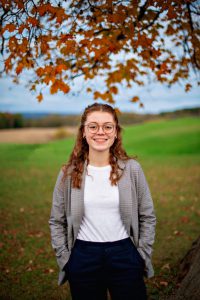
[(169, 152)]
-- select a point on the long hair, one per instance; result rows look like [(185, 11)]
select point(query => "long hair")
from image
[(75, 165)]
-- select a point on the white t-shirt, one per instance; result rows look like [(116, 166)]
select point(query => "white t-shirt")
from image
[(101, 221)]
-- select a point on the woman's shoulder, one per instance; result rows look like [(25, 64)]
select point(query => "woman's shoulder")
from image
[(133, 163)]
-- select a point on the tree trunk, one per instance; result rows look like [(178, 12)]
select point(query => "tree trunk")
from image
[(189, 275)]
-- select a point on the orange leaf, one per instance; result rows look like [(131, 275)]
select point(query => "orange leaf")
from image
[(171, 12), (44, 9), (33, 21), (40, 97), (20, 4), (114, 89), (19, 68), (54, 88), (9, 27), (135, 99), (8, 64), (64, 87), (188, 87), (59, 85), (21, 28), (33, 87), (96, 95), (60, 68)]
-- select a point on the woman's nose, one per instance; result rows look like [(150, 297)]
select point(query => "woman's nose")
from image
[(100, 130)]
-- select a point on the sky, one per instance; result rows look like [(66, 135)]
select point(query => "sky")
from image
[(155, 97)]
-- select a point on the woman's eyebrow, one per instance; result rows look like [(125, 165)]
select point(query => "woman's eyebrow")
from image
[(100, 123)]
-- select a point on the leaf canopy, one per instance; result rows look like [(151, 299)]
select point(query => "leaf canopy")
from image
[(124, 42)]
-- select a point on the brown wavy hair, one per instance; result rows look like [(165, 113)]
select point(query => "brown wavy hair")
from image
[(75, 165)]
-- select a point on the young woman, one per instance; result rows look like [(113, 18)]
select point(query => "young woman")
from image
[(102, 219)]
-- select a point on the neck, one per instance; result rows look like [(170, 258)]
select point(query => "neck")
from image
[(100, 159)]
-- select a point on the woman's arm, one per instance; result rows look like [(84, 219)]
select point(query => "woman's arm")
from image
[(58, 223)]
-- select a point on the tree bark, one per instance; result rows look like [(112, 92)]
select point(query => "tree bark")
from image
[(189, 275)]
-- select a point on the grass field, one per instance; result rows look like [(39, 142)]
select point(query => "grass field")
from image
[(169, 152)]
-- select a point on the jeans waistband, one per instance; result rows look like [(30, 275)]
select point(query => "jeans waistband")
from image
[(102, 244)]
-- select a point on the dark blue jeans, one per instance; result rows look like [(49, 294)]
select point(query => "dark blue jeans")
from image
[(94, 267)]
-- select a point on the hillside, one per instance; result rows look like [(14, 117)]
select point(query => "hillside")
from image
[(8, 120)]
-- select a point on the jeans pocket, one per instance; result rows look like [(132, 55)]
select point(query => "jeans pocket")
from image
[(66, 267), (138, 256)]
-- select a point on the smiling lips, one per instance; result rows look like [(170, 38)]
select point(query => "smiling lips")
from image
[(100, 140)]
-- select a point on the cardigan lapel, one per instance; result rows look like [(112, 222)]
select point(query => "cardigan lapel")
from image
[(125, 201), (125, 196), (77, 204)]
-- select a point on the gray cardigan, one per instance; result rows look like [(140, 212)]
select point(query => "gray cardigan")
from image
[(136, 210)]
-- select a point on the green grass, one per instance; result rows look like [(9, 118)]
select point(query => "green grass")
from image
[(171, 137), (169, 152)]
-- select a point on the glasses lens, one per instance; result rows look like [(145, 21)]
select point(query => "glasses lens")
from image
[(92, 127), (108, 128)]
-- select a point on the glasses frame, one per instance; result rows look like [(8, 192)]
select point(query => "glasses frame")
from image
[(98, 126)]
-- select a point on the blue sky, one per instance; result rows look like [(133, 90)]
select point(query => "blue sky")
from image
[(155, 97)]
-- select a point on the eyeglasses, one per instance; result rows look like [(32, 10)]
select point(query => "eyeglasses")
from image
[(94, 127)]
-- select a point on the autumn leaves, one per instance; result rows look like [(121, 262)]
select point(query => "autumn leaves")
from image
[(124, 43)]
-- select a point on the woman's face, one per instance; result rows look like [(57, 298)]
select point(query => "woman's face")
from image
[(104, 137)]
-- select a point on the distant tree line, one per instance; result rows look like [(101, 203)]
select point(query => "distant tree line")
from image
[(9, 120), (53, 120)]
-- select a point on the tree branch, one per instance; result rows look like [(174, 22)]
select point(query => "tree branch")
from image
[(192, 30)]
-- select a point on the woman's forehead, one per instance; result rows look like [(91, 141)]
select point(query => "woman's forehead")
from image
[(100, 116)]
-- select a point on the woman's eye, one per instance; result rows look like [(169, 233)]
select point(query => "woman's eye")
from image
[(92, 126), (108, 127)]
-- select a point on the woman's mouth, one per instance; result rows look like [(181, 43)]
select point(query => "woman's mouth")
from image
[(100, 140)]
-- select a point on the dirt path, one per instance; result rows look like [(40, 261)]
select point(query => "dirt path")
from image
[(32, 135)]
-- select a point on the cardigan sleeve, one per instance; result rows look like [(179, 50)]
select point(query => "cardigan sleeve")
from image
[(58, 223), (146, 215)]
